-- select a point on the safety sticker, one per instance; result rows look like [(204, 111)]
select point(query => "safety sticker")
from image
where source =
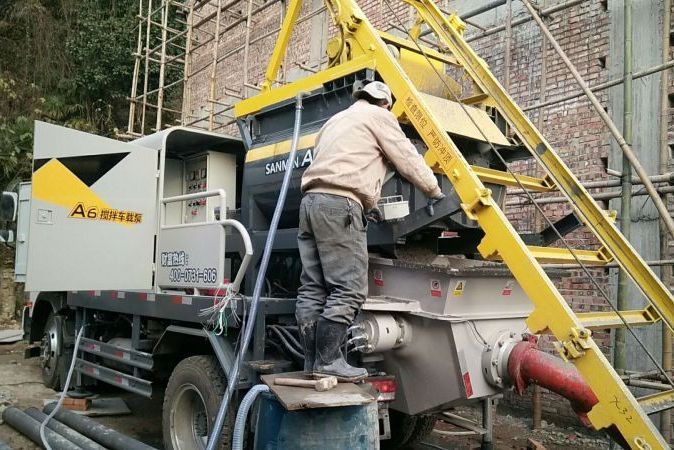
[(508, 288), (459, 287), (378, 278), (436, 288)]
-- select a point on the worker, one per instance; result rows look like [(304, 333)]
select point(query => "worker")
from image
[(344, 181)]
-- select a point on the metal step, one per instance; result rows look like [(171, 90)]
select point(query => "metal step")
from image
[(554, 255), (660, 401), (133, 358), (114, 377)]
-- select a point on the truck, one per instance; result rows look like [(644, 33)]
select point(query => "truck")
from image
[(154, 246)]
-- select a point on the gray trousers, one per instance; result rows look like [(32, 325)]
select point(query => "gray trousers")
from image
[(332, 242)]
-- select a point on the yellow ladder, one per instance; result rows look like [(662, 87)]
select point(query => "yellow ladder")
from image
[(364, 47)]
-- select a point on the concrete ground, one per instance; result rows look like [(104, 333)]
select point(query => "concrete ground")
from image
[(21, 385)]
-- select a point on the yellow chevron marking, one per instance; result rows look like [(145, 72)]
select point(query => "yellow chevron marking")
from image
[(55, 183)]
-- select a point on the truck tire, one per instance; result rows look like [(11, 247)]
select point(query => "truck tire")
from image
[(191, 402), (55, 353), (407, 430)]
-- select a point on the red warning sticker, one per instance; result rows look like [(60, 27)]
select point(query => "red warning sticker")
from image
[(436, 288), (378, 278), (467, 384), (508, 288)]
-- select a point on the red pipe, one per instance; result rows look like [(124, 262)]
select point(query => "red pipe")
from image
[(528, 365)]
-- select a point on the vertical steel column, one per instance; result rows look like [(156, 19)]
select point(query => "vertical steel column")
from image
[(508, 38), (187, 90), (665, 271), (620, 358), (162, 64), (214, 66), (136, 70), (147, 64), (487, 424), (246, 49)]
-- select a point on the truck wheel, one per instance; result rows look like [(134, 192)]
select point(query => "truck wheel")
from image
[(54, 353), (407, 430), (191, 402)]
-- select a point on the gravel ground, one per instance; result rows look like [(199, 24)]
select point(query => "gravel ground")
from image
[(21, 385)]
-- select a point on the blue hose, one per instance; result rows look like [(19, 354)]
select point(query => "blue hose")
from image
[(242, 415), (259, 282)]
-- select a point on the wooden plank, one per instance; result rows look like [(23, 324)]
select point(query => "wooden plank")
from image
[(296, 398)]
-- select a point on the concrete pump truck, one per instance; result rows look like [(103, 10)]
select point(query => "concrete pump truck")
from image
[(155, 244)]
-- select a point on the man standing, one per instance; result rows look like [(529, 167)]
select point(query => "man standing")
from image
[(344, 181)]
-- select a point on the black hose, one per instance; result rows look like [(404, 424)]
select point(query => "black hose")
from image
[(105, 436), (287, 345), (73, 436), (30, 427), (289, 335)]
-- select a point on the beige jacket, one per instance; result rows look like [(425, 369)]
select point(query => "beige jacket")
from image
[(351, 153)]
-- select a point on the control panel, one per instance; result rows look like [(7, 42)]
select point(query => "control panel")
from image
[(205, 172), (196, 180)]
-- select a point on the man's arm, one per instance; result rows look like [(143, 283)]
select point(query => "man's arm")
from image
[(404, 156)]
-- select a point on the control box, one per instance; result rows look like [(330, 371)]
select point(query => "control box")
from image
[(209, 171), (203, 172)]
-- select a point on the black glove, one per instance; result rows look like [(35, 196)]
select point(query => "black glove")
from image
[(374, 215), (432, 201)]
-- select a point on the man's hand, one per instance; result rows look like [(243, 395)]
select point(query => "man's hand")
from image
[(374, 215), (432, 201)]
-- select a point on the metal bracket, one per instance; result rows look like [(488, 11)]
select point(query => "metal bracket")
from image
[(481, 200), (576, 346)]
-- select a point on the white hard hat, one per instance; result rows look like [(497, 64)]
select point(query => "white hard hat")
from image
[(375, 89)]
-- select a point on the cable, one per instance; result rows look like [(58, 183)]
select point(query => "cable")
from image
[(521, 186), (287, 345), (62, 397), (249, 325), (289, 335)]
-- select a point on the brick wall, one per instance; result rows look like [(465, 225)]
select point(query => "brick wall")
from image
[(572, 127)]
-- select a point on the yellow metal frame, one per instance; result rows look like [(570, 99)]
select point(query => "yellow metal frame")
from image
[(363, 46)]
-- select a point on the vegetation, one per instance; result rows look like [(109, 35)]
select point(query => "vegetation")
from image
[(62, 61)]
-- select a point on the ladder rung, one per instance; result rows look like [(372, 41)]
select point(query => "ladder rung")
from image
[(554, 255), (475, 99), (660, 401), (494, 176), (609, 319)]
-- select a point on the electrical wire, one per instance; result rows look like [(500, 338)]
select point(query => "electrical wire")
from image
[(536, 205)]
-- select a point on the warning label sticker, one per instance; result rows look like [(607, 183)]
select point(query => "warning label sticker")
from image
[(436, 288), (459, 287), (378, 278), (508, 288)]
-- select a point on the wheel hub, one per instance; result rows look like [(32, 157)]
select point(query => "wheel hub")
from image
[(49, 346), (189, 420)]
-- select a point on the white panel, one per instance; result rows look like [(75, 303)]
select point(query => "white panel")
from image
[(173, 186), (112, 246), (191, 256), (21, 260)]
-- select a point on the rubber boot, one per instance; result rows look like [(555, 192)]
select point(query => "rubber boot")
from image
[(329, 358), (308, 335)]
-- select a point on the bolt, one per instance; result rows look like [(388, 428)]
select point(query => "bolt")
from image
[(494, 363), (498, 380)]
